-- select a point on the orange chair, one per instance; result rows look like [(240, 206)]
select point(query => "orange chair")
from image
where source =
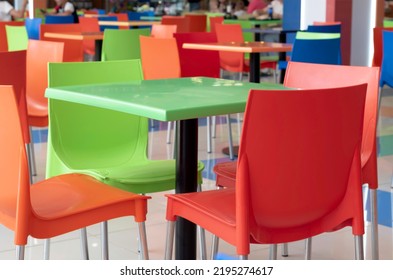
[(3, 34), (309, 75), (163, 30), (196, 22), (120, 17), (89, 24), (213, 21), (377, 39), (234, 61), (73, 49), (276, 199), (182, 22), (57, 205)]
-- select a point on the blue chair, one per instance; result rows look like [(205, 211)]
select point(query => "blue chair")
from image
[(333, 28), (107, 18), (387, 59), (33, 27), (58, 19), (138, 15)]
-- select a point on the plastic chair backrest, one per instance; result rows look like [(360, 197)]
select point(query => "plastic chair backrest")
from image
[(122, 44), (16, 37), (333, 28), (387, 59), (138, 15), (39, 53), (159, 65), (73, 49), (120, 17), (3, 34), (100, 143), (13, 72), (196, 62), (163, 30), (196, 22), (181, 21), (313, 47), (310, 75), (326, 22), (107, 18), (377, 39), (33, 27), (213, 21), (89, 24), (53, 19), (267, 169), (90, 12), (231, 61)]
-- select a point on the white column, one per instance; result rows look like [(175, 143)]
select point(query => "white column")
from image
[(312, 10)]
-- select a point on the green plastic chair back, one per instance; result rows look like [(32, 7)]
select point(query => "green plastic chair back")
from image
[(106, 144), (122, 44), (17, 37), (316, 35)]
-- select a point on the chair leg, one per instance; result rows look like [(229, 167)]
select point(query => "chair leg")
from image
[(31, 155), (20, 252), (202, 242), (215, 242), (29, 159), (209, 137), (359, 252), (214, 127), (168, 133), (170, 233), (230, 140), (144, 252), (104, 241), (374, 225), (308, 248), (243, 257), (284, 250), (273, 252), (46, 249), (84, 246)]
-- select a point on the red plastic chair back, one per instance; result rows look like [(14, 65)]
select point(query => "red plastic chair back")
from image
[(308, 75), (121, 17), (161, 64), (181, 21), (196, 62), (298, 170), (230, 61), (89, 24), (3, 34), (378, 49), (197, 22), (213, 21), (163, 30), (73, 49), (39, 53)]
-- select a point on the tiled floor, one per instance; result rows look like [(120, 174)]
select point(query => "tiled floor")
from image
[(122, 236)]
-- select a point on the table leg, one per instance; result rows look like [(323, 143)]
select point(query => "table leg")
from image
[(98, 49), (186, 181)]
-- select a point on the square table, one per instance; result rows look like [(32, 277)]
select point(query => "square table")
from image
[(182, 99)]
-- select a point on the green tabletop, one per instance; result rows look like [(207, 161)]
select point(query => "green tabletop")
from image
[(167, 99)]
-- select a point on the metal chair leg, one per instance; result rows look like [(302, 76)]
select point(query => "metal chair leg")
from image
[(170, 233), (84, 246), (104, 241), (31, 155), (359, 251), (230, 140), (46, 249), (202, 242), (215, 242), (20, 252), (374, 225), (209, 136), (243, 257), (144, 252), (308, 248), (284, 250), (273, 252), (168, 133)]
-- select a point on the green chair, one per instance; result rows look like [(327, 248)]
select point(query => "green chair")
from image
[(17, 37), (119, 44), (109, 145)]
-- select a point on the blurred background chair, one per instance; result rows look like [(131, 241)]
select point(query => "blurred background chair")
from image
[(387, 59), (57, 205), (163, 30), (122, 44), (89, 24), (107, 18), (3, 34), (53, 19), (196, 22), (378, 48), (182, 22), (33, 27), (279, 203), (120, 17), (16, 37), (213, 21)]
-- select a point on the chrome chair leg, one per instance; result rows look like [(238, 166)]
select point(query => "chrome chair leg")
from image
[(284, 250), (84, 246), (308, 247), (20, 252), (144, 252), (243, 257), (374, 225), (215, 242), (214, 127), (209, 136), (46, 249), (231, 156), (273, 252), (31, 155), (104, 241), (202, 243), (359, 251), (170, 233), (168, 133)]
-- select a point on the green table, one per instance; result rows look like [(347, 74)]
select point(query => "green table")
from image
[(184, 100)]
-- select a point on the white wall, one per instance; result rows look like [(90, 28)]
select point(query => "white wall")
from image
[(363, 22), (312, 10)]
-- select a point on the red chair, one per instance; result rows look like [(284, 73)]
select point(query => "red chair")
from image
[(120, 17), (309, 75), (286, 161), (377, 39), (89, 24), (182, 22), (3, 34), (57, 205), (163, 30), (213, 21), (196, 22)]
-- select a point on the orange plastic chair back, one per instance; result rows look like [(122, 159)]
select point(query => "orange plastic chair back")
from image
[(181, 21), (378, 49), (73, 49), (163, 30), (213, 21), (327, 22), (120, 17), (308, 75), (161, 64), (197, 22), (230, 61), (197, 62), (39, 53), (89, 24), (3, 34), (13, 72)]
